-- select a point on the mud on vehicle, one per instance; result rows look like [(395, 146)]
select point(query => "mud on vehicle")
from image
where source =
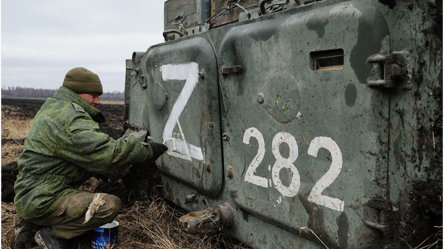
[(297, 124)]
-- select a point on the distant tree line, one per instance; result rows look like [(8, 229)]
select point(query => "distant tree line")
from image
[(27, 92), (21, 92), (114, 95)]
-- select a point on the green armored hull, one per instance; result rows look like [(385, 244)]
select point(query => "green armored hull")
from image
[(298, 124)]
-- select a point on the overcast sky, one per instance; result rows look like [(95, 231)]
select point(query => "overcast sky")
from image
[(42, 40)]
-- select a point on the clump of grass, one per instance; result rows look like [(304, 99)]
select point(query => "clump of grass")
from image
[(154, 223), (433, 241), (11, 222), (14, 132), (10, 152), (14, 128)]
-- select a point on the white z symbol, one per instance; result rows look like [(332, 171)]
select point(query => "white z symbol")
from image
[(176, 147)]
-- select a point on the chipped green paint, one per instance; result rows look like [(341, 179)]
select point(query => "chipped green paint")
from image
[(350, 95)]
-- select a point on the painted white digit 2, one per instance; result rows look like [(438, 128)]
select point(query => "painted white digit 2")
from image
[(249, 175), (180, 148), (329, 177), (326, 180), (293, 188)]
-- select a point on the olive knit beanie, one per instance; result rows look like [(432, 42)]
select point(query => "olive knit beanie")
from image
[(81, 80)]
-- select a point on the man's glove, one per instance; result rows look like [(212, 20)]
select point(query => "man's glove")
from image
[(158, 150)]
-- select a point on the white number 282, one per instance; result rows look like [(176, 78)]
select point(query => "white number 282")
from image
[(328, 178)]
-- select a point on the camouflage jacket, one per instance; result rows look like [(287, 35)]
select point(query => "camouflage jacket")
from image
[(63, 148)]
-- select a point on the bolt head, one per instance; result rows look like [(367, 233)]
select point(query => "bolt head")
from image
[(230, 173), (225, 137), (260, 98)]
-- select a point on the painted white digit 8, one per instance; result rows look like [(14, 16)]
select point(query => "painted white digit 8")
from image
[(293, 188)]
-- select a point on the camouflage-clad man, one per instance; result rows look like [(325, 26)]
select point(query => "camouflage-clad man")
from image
[(63, 148)]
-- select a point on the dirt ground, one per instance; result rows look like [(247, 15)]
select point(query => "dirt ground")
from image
[(146, 219)]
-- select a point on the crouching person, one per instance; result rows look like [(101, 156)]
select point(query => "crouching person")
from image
[(63, 148)]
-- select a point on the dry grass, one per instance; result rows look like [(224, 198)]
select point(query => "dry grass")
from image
[(14, 132), (150, 223), (432, 242), (10, 222), (154, 224), (14, 128), (10, 152)]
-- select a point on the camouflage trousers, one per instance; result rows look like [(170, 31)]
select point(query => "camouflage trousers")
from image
[(80, 213)]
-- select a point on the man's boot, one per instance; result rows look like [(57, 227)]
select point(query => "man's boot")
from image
[(51, 241), (26, 236)]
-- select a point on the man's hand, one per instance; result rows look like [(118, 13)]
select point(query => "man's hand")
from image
[(158, 150)]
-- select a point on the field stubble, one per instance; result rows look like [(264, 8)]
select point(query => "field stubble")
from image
[(146, 219)]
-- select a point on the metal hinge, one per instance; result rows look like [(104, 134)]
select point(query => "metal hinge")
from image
[(170, 31), (386, 69), (376, 212), (208, 220), (230, 70)]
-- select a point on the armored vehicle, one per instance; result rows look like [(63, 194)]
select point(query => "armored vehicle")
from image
[(297, 123)]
